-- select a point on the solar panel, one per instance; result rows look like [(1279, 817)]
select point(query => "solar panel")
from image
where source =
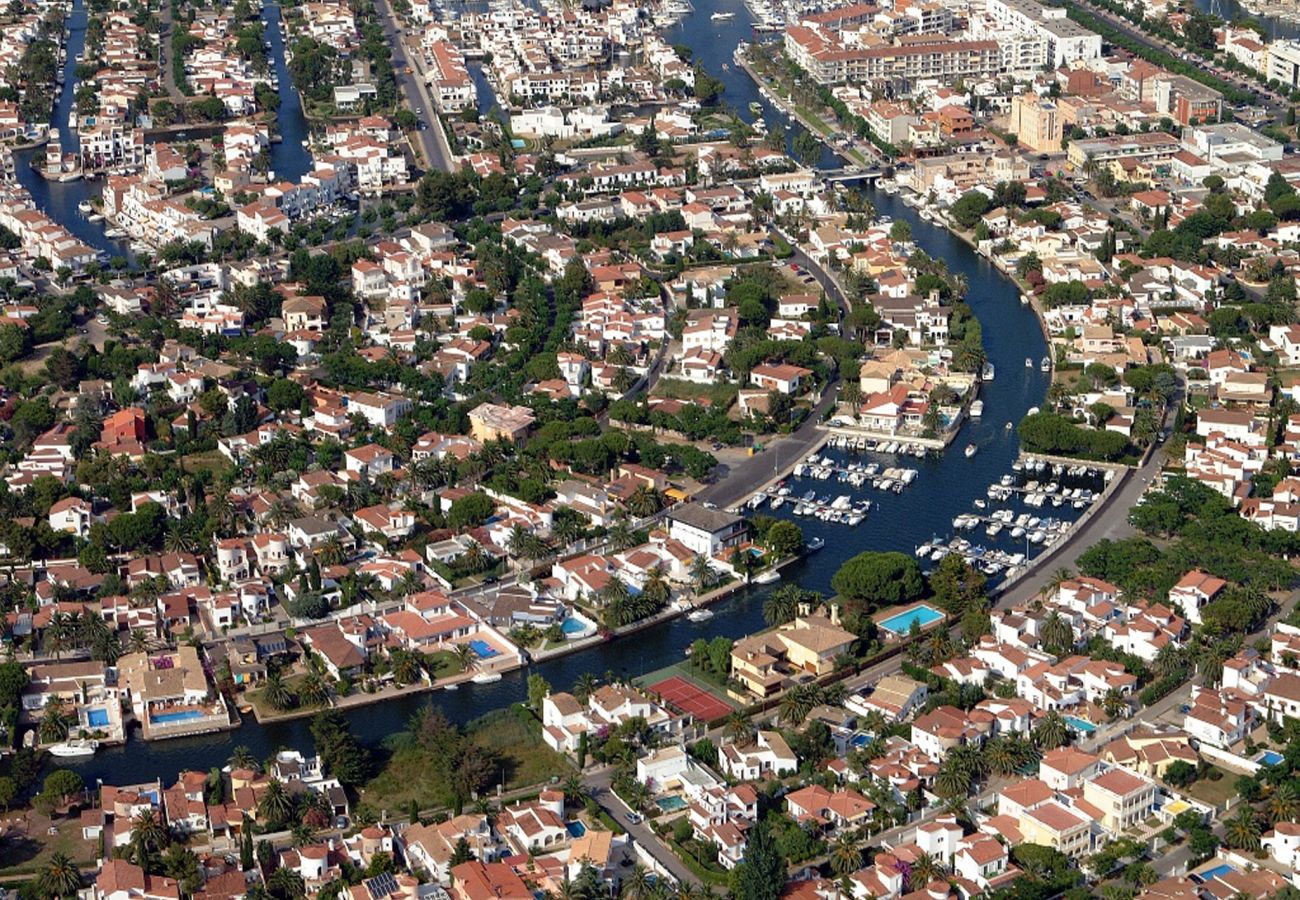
[(384, 885)]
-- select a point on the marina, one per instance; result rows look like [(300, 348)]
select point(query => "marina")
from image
[(945, 485)]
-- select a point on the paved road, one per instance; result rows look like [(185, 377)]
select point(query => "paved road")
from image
[(736, 482), (433, 143), (597, 782), (1137, 34), (166, 52)]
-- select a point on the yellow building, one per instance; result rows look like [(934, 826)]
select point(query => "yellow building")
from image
[(809, 644), (1123, 799), (1054, 825), (1036, 123), (491, 422)]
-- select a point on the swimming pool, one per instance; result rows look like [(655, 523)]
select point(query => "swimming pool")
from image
[(482, 649), (183, 715), (97, 718), (1270, 757), (860, 740), (1078, 724), (575, 829), (901, 623), (573, 626), (670, 804), (1216, 872)]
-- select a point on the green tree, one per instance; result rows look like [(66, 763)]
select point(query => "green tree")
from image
[(879, 578), (761, 874), (538, 688)]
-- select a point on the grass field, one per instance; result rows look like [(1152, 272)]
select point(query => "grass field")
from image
[(1216, 793), (516, 741), (26, 851), (721, 396), (211, 461)]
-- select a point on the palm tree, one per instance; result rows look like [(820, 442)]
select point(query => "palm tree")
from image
[(702, 575), (276, 692), (466, 658), (1054, 582), (1001, 757), (147, 833), (313, 690), (55, 721), (1057, 635), (621, 536), (406, 667), (645, 501), (1169, 661), (516, 539), (738, 729), (845, 856), (138, 641), (275, 804), (1242, 830), (1051, 731), (574, 790), (953, 780), (331, 552), (637, 884), (60, 877), (1284, 805), (783, 605), (584, 686), (925, 868), (242, 758)]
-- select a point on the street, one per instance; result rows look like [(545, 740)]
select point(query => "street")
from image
[(736, 482), (597, 782), (433, 143)]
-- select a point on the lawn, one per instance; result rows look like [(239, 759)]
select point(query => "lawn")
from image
[(1216, 793), (443, 663), (720, 396), (26, 853), (512, 734), (212, 461)]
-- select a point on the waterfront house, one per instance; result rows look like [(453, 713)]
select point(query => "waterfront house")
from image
[(766, 662), (704, 531)]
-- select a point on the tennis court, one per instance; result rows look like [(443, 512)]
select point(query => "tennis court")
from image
[(679, 692)]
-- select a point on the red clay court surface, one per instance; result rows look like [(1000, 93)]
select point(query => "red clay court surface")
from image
[(687, 697)]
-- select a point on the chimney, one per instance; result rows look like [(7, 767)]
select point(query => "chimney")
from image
[(835, 613)]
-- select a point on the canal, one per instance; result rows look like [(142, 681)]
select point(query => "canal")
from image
[(290, 159), (59, 200), (1231, 11), (945, 487)]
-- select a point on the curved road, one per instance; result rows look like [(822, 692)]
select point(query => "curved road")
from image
[(736, 482)]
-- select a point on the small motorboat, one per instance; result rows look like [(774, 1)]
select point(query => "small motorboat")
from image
[(74, 748), (1046, 364), (699, 615), (1029, 363), (486, 678), (815, 544), (722, 16), (970, 450), (768, 577), (84, 207), (977, 409)]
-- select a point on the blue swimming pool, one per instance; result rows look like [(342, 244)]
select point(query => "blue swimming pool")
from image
[(573, 626), (1270, 757), (1081, 725), (670, 804), (575, 829), (97, 718), (183, 715), (860, 740), (482, 649), (1216, 872), (902, 622)]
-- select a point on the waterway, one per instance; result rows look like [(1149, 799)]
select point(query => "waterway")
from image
[(290, 160), (1231, 10), (945, 487), (59, 200)]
